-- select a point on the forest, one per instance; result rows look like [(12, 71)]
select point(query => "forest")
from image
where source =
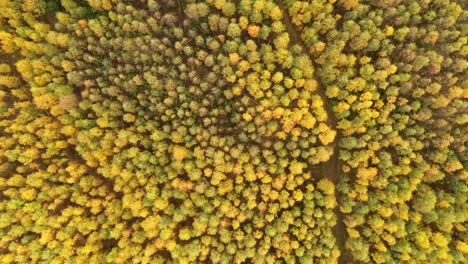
[(233, 131)]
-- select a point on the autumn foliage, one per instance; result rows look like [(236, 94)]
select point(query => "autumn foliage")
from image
[(215, 131)]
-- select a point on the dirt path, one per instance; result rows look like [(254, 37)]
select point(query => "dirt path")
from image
[(331, 168)]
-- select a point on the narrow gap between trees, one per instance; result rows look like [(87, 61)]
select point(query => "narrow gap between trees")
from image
[(331, 168)]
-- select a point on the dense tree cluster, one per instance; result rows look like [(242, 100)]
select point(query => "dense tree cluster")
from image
[(164, 131), (395, 72), (150, 131)]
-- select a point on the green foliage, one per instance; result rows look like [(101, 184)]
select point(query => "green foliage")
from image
[(401, 148), (145, 132), (215, 131)]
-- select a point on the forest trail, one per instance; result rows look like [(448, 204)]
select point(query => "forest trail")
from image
[(331, 168)]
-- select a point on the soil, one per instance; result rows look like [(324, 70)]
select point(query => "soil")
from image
[(331, 168)]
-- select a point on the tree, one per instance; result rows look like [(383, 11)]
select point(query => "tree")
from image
[(326, 186), (424, 200), (296, 167), (234, 30), (179, 152), (348, 142), (282, 41)]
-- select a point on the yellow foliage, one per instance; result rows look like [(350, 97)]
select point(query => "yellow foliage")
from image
[(385, 211), (179, 152), (308, 121), (45, 101), (366, 174), (326, 186), (276, 13), (29, 194), (353, 233), (298, 195), (17, 180), (462, 247), (389, 30), (349, 4), (311, 85), (7, 42), (247, 117), (356, 84), (243, 22), (253, 30), (327, 137), (296, 167), (8, 258)]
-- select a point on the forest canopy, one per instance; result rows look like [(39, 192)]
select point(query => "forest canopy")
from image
[(222, 131)]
